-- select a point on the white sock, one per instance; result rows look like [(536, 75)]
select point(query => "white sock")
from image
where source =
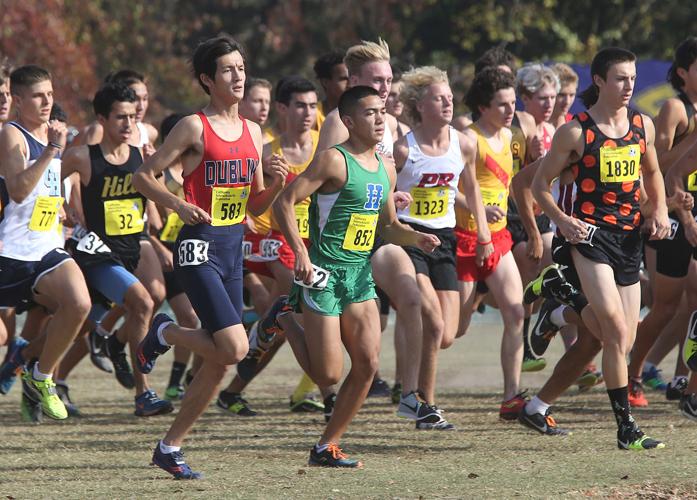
[(60, 381), (165, 448), (536, 405), (102, 332), (676, 380), (161, 334), (38, 375), (321, 447), (557, 316)]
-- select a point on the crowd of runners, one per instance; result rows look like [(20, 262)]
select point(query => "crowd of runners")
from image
[(324, 203)]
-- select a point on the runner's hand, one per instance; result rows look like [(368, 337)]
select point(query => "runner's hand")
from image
[(277, 169), (573, 229), (691, 233), (537, 147), (402, 200), (57, 133), (148, 151), (303, 268), (494, 213), (657, 226), (192, 215), (535, 246), (482, 253), (427, 242)]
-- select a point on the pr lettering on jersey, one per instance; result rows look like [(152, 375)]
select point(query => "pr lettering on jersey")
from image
[(436, 180), (224, 172), (374, 194)]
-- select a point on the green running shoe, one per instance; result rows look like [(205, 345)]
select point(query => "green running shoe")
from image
[(306, 405), (630, 437), (174, 392), (533, 365), (396, 393), (689, 350), (234, 403), (44, 392)]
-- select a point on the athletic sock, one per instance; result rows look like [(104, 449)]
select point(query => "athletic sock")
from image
[(536, 405), (304, 386), (115, 345), (527, 353), (99, 330), (319, 448), (175, 376), (161, 334), (167, 449), (619, 400), (557, 316), (578, 302), (37, 375), (228, 397)]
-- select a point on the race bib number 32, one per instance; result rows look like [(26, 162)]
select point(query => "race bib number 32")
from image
[(429, 202), (192, 252), (620, 164), (122, 217), (228, 205), (44, 217), (360, 233)]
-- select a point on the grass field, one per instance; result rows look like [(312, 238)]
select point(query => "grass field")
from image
[(106, 454)]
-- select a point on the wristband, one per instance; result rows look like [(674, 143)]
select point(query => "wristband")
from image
[(55, 145), (483, 243)]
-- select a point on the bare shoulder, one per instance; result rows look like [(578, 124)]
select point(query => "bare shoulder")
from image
[(152, 132), (254, 129), (527, 123), (462, 122)]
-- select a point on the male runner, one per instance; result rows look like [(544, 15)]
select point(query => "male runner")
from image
[(108, 249), (611, 151), (332, 75), (256, 104), (395, 107), (34, 265), (220, 153), (351, 192), (568, 81)]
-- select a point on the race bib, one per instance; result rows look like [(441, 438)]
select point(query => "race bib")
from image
[(192, 252), (172, 227), (44, 217), (673, 228), (268, 248), (302, 219), (320, 277), (692, 182), (429, 202), (246, 249), (122, 217), (79, 232), (360, 233), (92, 244), (228, 205), (620, 164), (495, 198)]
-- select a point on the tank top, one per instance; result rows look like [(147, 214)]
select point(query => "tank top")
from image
[(432, 182), (518, 145), (343, 224), (321, 116), (144, 136), (386, 145), (30, 229), (266, 221), (113, 210), (220, 184), (608, 175), (494, 171)]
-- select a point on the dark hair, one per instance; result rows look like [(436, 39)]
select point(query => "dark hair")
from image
[(205, 58), (325, 64), (5, 70), (685, 55), (58, 113), (280, 83), (349, 99), (108, 95), (24, 76), (126, 76), (292, 86), (495, 57), (485, 84), (252, 82), (168, 124), (602, 62)]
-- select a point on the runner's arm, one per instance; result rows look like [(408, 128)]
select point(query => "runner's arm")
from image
[(669, 118), (470, 187), (657, 223), (524, 200), (261, 198), (675, 180)]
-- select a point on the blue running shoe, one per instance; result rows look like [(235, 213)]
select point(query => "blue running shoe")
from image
[(149, 404), (332, 456), (651, 377), (12, 364), (150, 348), (174, 464)]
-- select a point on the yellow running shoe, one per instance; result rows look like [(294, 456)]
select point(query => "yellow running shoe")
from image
[(689, 350), (44, 393)]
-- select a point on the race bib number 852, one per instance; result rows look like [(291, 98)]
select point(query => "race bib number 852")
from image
[(192, 252), (360, 233)]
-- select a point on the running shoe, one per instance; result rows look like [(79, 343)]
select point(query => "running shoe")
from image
[(174, 392), (544, 424), (234, 403), (174, 464), (689, 349), (544, 330), (329, 403), (688, 406), (533, 364), (30, 410), (122, 368), (188, 377), (332, 456), (308, 404), (268, 326), (247, 368), (396, 393), (379, 389), (589, 378), (13, 364), (676, 388), (150, 347), (511, 408), (63, 393), (44, 392), (148, 405), (630, 437), (414, 407), (651, 377), (636, 394), (98, 354), (550, 284), (433, 420)]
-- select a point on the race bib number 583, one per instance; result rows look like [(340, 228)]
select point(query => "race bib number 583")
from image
[(228, 205), (192, 252)]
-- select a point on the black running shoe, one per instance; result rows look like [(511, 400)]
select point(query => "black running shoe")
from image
[(329, 402), (544, 424), (62, 390), (268, 325), (551, 284), (234, 403), (432, 419), (332, 457), (688, 406), (630, 437), (544, 330), (379, 389), (676, 388), (122, 368), (98, 355)]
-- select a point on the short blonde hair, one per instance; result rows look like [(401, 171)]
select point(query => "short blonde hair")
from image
[(566, 75), (532, 77), (366, 52), (415, 83)]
